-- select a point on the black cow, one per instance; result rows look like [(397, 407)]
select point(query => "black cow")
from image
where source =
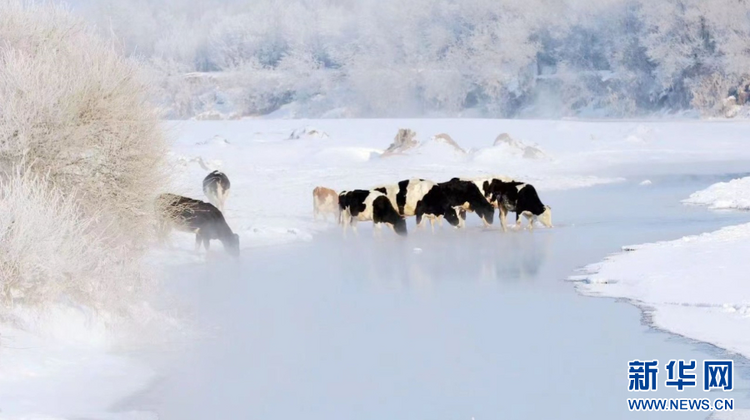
[(216, 187), (464, 194), (520, 198), (195, 216), (369, 205)]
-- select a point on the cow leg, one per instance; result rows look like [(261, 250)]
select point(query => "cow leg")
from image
[(503, 218), (518, 221), (440, 221), (432, 224), (343, 222), (531, 219), (206, 243), (198, 240)]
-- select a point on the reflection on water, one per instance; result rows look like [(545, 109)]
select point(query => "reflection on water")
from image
[(448, 255)]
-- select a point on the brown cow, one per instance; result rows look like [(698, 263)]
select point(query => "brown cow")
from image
[(325, 201)]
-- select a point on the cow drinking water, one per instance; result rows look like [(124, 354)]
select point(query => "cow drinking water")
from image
[(369, 205), (520, 198), (195, 216), (463, 194)]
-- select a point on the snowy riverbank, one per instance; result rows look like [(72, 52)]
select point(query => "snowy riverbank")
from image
[(695, 286)]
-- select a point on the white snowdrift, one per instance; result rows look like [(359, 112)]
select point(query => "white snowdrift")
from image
[(695, 286), (62, 368), (517, 148), (734, 194)]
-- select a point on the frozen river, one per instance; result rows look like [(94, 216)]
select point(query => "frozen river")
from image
[(457, 325)]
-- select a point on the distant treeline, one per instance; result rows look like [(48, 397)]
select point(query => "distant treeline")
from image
[(498, 58)]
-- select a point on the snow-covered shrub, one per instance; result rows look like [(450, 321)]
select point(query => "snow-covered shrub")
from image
[(81, 158), (73, 109), (50, 254), (179, 92)]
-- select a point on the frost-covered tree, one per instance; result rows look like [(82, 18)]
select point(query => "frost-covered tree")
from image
[(81, 159), (441, 57)]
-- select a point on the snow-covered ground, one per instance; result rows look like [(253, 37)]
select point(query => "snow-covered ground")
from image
[(274, 165), (732, 195), (62, 367)]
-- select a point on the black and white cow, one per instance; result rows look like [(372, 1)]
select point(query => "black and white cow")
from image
[(421, 198), (369, 205), (216, 187), (396, 193), (426, 199), (484, 184), (464, 194), (195, 216), (521, 198)]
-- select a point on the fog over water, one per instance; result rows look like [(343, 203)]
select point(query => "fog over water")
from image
[(456, 325)]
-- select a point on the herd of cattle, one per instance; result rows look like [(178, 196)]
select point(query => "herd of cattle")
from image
[(387, 204), (390, 204)]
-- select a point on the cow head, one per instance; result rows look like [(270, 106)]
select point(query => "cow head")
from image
[(546, 217), (451, 215), (486, 212), (232, 245), (399, 226)]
